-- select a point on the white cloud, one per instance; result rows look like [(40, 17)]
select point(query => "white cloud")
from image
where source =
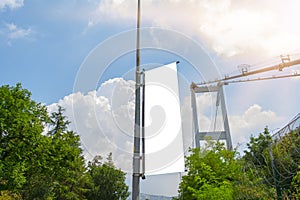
[(11, 4), (15, 32), (104, 120), (230, 28), (12, 32), (251, 122)]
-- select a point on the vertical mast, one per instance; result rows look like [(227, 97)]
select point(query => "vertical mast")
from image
[(136, 149)]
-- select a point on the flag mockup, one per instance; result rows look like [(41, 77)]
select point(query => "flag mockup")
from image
[(163, 131)]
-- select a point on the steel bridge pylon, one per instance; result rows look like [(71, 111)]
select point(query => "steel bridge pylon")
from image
[(217, 135)]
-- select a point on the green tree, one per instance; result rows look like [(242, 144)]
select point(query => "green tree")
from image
[(287, 159), (217, 173), (258, 148), (33, 164), (211, 172), (295, 192), (6, 195), (257, 165), (66, 160), (108, 182), (21, 124), (60, 172), (282, 166)]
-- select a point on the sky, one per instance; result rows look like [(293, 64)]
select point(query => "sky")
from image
[(80, 54)]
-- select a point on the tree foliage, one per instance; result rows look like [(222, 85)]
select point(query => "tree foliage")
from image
[(275, 160), (107, 182), (21, 124), (49, 165), (211, 172), (269, 168)]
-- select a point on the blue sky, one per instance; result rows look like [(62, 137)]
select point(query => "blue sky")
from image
[(45, 45)]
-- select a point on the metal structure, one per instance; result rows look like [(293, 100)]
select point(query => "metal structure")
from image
[(217, 86), (285, 62), (221, 135), (293, 125), (137, 128)]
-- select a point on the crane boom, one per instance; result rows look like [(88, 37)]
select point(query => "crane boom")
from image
[(286, 62), (261, 79)]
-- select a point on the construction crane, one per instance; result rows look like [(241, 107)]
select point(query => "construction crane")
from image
[(216, 86), (285, 62)]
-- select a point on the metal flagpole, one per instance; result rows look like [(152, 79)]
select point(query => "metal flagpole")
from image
[(136, 149)]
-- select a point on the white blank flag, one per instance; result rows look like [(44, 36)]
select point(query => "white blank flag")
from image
[(164, 144)]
